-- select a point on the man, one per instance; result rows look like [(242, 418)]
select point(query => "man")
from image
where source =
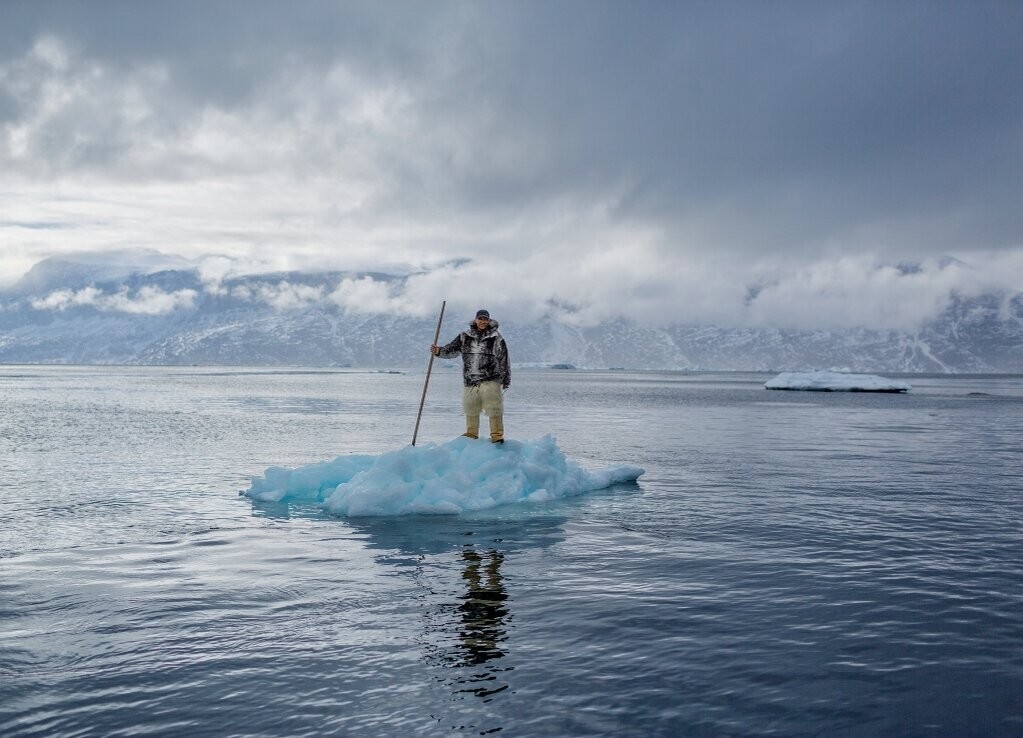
[(485, 372)]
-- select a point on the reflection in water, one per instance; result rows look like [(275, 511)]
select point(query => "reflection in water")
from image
[(466, 605), (483, 613), (461, 594), (467, 634), (467, 628)]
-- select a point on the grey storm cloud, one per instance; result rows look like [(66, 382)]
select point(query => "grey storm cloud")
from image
[(822, 115), (791, 131)]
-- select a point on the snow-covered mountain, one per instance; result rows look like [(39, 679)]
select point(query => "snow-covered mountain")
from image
[(77, 311)]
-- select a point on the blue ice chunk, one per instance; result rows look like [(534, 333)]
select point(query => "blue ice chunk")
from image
[(310, 483), (457, 476)]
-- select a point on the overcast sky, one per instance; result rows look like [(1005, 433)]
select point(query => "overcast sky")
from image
[(733, 162)]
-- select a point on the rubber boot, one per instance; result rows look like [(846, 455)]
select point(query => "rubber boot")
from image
[(496, 429)]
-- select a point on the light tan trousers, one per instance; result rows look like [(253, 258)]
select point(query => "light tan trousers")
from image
[(486, 397)]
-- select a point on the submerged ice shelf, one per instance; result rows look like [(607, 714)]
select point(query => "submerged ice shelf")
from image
[(458, 476)]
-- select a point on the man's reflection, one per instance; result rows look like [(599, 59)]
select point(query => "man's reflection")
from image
[(461, 593), (482, 609)]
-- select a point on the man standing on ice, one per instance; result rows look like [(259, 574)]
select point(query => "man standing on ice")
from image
[(485, 372)]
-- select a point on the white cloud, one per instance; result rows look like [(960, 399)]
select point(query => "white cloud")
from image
[(286, 296), (367, 295), (150, 301), (146, 301), (636, 279), (650, 287), (64, 299), (863, 291), (281, 295)]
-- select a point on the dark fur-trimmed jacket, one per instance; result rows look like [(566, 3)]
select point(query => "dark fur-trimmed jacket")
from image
[(484, 355)]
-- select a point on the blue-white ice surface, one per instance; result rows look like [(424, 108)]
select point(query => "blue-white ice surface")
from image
[(450, 478)]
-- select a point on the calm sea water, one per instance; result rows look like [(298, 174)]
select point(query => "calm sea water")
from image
[(791, 563)]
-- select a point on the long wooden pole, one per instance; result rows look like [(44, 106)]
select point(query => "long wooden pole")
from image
[(429, 368)]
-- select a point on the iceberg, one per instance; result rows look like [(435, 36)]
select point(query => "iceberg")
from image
[(821, 381), (461, 475)]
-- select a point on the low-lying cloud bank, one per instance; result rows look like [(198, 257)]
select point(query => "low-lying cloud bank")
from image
[(847, 292), (144, 301)]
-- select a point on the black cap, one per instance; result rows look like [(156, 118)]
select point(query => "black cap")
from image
[(482, 314)]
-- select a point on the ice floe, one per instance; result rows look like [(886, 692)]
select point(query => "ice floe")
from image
[(823, 381), (458, 476)]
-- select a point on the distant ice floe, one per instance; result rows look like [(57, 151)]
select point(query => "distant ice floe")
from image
[(835, 382), (458, 476)]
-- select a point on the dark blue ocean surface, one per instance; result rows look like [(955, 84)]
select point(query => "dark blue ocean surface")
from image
[(791, 563)]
